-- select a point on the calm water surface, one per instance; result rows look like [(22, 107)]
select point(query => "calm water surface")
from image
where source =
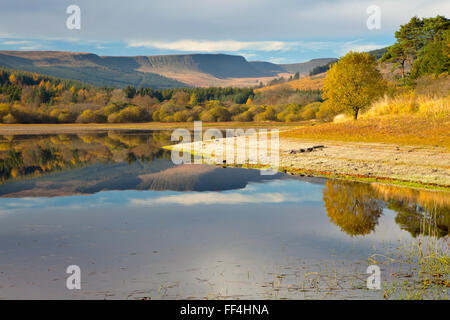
[(138, 226)]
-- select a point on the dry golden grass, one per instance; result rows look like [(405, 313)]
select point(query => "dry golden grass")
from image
[(199, 79), (309, 83), (406, 119), (393, 129), (409, 103)]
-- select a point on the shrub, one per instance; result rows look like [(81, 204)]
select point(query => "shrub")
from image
[(326, 111), (4, 109), (244, 117), (310, 110), (268, 115), (9, 118), (182, 116), (129, 114), (207, 116), (220, 113), (89, 116), (291, 117)]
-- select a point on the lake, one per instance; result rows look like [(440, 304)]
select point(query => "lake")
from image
[(138, 226)]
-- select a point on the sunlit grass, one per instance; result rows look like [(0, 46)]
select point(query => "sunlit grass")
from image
[(406, 119), (392, 129), (408, 103)]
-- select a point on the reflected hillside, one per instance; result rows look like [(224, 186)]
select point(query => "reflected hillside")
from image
[(356, 208), (159, 174), (418, 211)]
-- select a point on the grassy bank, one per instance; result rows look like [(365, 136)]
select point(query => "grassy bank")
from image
[(406, 119), (391, 129)]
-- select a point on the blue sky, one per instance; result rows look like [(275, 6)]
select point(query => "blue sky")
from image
[(282, 31)]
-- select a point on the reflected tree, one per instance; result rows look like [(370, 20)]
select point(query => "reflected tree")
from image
[(352, 206), (419, 220), (22, 156)]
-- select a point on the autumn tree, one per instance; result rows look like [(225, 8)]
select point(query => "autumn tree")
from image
[(353, 83)]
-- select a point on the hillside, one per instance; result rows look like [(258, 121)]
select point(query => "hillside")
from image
[(305, 68), (307, 83), (218, 65), (86, 67), (163, 71)]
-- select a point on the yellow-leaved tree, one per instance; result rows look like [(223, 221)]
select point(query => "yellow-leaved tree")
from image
[(353, 83)]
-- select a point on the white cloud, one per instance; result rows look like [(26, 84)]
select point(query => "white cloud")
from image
[(15, 42), (211, 46), (207, 198), (188, 45), (22, 44)]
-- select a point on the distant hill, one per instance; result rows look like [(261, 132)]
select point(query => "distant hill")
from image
[(314, 82), (378, 53), (305, 68), (163, 71), (268, 67), (86, 67), (218, 65)]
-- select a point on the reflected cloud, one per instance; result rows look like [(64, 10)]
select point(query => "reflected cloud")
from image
[(214, 198)]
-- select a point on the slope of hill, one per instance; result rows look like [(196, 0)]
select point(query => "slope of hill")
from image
[(163, 71), (378, 53), (86, 67), (203, 70), (218, 65), (267, 67), (308, 83), (305, 68)]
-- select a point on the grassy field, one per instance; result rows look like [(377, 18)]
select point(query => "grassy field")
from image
[(391, 129)]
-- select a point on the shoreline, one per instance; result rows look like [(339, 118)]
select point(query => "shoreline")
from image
[(423, 167), (411, 166), (35, 128)]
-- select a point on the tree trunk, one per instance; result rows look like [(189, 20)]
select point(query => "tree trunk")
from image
[(355, 114), (403, 72)]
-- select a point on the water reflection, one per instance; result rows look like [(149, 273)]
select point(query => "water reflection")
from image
[(71, 164), (114, 203), (24, 156), (352, 206), (357, 207)]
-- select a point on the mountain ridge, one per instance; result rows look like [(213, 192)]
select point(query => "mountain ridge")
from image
[(158, 71)]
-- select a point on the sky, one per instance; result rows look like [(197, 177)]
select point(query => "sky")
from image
[(279, 31)]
